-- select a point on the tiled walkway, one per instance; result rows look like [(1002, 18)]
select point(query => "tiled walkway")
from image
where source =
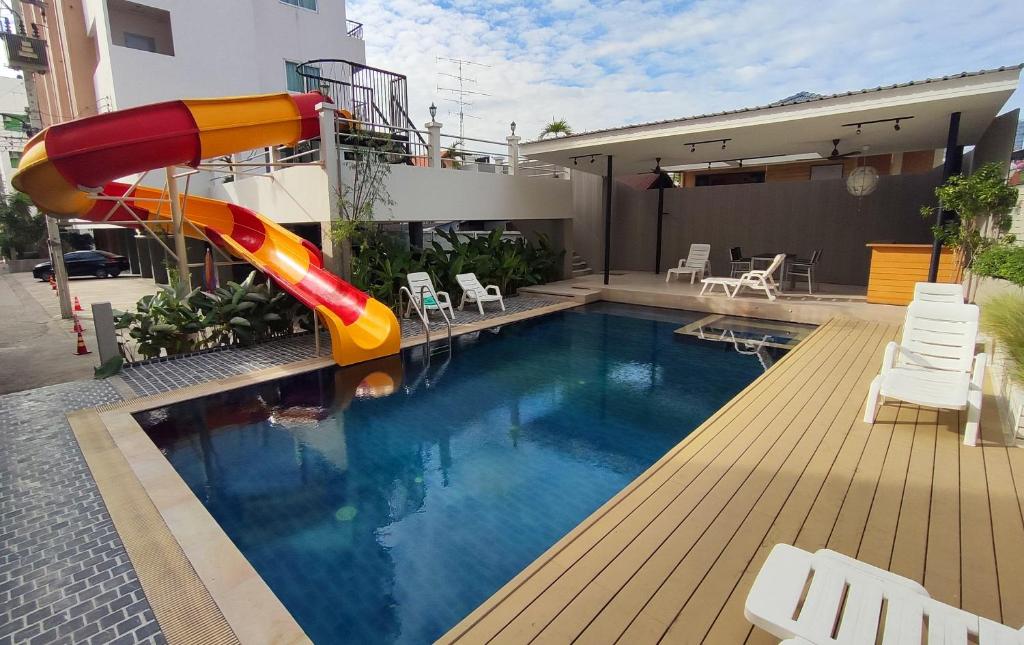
[(166, 375), (64, 574)]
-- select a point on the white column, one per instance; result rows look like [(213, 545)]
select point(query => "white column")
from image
[(177, 225), (434, 143), (513, 154), (331, 159)]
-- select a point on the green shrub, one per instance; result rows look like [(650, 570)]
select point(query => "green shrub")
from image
[(380, 263), (1003, 317), (175, 321), (1002, 261)]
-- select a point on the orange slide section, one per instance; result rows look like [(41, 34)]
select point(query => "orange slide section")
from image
[(66, 166)]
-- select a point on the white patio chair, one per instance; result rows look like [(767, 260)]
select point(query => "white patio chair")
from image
[(697, 263), (828, 598), (934, 364), (473, 291), (759, 279), (425, 296), (952, 293)]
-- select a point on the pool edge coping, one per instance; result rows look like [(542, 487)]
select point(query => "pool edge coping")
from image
[(154, 510)]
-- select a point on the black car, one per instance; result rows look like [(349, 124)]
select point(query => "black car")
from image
[(98, 263)]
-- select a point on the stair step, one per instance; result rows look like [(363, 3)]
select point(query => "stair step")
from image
[(576, 273)]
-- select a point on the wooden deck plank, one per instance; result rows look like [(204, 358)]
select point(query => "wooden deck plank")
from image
[(979, 584), (671, 557), (941, 578), (615, 562), (911, 542), (683, 559), (707, 441), (723, 566), (1007, 527), (728, 625)]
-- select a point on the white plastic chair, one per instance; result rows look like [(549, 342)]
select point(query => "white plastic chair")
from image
[(759, 279), (425, 296), (828, 598), (934, 364), (952, 293), (473, 291), (697, 263)]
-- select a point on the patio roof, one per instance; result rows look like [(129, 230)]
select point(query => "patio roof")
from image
[(805, 126)]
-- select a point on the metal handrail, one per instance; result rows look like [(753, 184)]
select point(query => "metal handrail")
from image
[(356, 31)]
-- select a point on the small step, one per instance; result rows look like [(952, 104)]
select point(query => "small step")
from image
[(578, 273)]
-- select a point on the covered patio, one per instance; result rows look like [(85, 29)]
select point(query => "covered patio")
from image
[(811, 172)]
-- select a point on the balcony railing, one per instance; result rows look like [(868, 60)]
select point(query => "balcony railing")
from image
[(355, 29)]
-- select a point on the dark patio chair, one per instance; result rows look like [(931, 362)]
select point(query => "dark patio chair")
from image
[(738, 265), (804, 268)]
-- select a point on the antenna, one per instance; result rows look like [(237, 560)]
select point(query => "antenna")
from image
[(460, 93)]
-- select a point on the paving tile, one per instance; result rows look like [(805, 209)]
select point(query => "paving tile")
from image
[(58, 546)]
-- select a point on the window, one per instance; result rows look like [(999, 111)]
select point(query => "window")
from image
[(297, 82), (137, 41), (15, 156), (303, 4), (13, 123), (139, 26)]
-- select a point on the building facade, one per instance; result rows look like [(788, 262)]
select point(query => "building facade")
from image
[(114, 54), (14, 111)]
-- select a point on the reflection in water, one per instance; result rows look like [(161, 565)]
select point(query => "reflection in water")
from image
[(384, 501)]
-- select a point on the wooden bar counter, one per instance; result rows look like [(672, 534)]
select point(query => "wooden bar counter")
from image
[(895, 268)]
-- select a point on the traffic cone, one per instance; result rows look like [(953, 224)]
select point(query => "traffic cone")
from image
[(53, 283), (78, 324), (81, 349), (78, 305)]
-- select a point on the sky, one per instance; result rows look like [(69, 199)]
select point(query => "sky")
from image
[(604, 64)]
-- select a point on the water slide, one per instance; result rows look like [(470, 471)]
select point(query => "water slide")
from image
[(66, 166)]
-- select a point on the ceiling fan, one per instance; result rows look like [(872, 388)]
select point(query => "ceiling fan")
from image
[(835, 151), (656, 170)]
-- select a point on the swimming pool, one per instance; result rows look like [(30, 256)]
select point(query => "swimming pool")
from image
[(385, 501)]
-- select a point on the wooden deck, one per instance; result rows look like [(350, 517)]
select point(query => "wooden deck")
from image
[(672, 556)]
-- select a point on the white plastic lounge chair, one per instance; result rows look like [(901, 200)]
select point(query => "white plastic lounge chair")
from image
[(420, 284), (934, 364), (473, 291), (952, 293), (697, 263), (828, 598), (760, 279)]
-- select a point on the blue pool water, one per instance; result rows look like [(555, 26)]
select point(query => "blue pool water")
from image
[(387, 518)]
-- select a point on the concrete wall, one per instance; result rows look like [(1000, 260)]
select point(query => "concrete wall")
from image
[(420, 195), (791, 217), (997, 142)]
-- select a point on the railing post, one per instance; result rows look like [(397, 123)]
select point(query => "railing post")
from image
[(434, 143), (513, 154), (332, 168)]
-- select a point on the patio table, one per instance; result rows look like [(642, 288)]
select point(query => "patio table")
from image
[(766, 259)]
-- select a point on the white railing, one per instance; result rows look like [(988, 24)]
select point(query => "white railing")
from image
[(401, 145)]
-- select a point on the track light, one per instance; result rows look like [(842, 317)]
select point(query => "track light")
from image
[(574, 162), (897, 126), (693, 148), (591, 158), (723, 145), (858, 128)]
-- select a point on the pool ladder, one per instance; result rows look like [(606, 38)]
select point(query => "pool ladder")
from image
[(406, 298)]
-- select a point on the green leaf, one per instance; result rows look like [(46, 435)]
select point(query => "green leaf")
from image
[(108, 368), (238, 321)]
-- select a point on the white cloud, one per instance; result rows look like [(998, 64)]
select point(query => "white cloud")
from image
[(602, 64)]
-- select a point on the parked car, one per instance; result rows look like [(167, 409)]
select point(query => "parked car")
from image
[(98, 263)]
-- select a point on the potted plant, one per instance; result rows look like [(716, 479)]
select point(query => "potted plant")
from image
[(982, 202)]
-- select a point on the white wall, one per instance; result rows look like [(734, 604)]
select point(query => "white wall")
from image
[(420, 195), (221, 48)]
